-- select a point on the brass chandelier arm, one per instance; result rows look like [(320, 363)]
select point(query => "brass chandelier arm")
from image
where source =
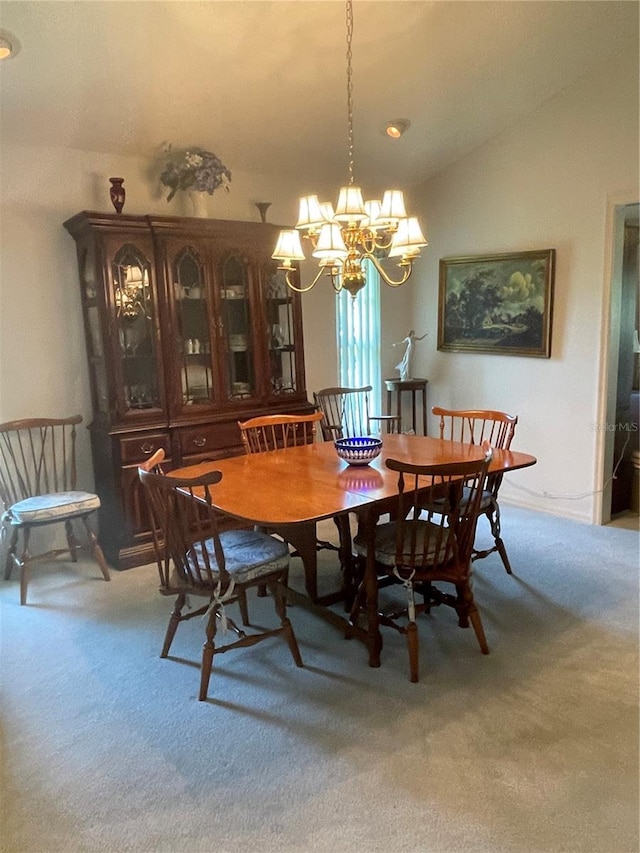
[(407, 264), (295, 287)]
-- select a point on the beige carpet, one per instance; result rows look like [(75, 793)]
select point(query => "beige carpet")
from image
[(533, 748)]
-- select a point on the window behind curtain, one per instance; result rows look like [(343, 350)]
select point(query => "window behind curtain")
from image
[(358, 329)]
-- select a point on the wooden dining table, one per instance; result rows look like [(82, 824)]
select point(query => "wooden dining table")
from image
[(290, 490)]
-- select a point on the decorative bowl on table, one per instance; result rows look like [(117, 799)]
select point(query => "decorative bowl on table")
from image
[(358, 451)]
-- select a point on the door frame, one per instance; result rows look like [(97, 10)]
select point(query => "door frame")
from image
[(609, 350)]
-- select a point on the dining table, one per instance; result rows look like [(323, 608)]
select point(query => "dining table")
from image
[(290, 490)]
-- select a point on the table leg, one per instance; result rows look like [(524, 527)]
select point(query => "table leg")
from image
[(303, 538), (424, 411), (374, 637)]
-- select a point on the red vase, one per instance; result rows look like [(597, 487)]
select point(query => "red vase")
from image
[(117, 193)]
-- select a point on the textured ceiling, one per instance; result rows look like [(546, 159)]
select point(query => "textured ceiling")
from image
[(263, 84)]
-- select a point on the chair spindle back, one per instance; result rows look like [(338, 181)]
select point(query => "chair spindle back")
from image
[(447, 540), (37, 457), (271, 432), (182, 510)]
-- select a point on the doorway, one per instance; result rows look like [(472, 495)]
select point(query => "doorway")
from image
[(619, 431)]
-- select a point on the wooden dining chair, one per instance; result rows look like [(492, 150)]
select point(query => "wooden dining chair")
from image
[(473, 426), (270, 432), (218, 566), (419, 553), (155, 464), (346, 413), (38, 488)]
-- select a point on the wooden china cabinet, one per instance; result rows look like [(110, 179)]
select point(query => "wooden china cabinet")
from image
[(189, 328)]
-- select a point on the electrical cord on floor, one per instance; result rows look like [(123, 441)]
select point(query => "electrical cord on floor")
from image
[(580, 496)]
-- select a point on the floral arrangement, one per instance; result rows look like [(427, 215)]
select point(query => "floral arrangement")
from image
[(194, 169)]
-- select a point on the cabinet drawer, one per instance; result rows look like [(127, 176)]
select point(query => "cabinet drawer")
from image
[(142, 446), (209, 437)]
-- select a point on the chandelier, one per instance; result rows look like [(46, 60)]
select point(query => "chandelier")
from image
[(357, 230)]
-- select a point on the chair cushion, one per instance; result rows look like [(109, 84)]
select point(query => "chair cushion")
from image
[(486, 501), (248, 554), (386, 542), (54, 507)]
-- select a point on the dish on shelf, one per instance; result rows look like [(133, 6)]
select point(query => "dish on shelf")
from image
[(196, 377), (233, 293)]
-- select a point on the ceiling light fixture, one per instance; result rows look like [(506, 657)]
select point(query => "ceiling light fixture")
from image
[(5, 49), (342, 239), (397, 127)]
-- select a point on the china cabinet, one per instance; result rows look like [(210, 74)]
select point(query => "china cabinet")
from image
[(189, 329)]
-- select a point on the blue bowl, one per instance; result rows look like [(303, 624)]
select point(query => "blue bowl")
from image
[(358, 451)]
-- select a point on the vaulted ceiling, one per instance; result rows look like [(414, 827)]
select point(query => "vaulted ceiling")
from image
[(263, 84)]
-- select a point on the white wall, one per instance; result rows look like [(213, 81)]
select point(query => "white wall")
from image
[(43, 367), (543, 183)]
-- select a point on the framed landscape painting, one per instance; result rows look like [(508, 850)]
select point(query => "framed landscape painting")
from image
[(497, 304)]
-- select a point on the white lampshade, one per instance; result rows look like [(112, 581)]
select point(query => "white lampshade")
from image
[(330, 244), (408, 239), (327, 211), (350, 206), (288, 247), (132, 275), (372, 222), (392, 208), (310, 213)]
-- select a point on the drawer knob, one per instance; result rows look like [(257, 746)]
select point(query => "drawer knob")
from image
[(147, 448), (200, 442)]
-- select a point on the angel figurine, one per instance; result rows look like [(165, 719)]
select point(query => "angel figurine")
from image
[(405, 365)]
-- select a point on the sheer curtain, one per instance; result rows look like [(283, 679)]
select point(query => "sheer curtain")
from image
[(358, 331)]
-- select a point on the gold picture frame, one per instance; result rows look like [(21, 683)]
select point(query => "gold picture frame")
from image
[(499, 304)]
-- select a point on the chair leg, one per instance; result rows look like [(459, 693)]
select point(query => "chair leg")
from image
[(474, 615), (208, 651), (13, 544), (25, 565), (469, 612), (96, 550), (174, 621), (72, 542), (412, 645), (503, 555), (244, 608), (287, 628)]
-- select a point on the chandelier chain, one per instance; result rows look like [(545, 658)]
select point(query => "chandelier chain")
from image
[(350, 88), (356, 230)]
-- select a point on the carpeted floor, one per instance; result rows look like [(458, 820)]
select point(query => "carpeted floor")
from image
[(533, 748)]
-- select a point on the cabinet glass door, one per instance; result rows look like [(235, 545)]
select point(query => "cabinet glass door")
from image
[(280, 333), (236, 330), (134, 311), (194, 340)]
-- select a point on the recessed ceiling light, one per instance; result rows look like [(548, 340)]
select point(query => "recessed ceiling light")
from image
[(397, 127), (9, 45)]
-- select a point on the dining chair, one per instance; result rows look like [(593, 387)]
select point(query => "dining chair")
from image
[(38, 488), (419, 553), (473, 426), (218, 566), (270, 432), (346, 413), (155, 463)]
